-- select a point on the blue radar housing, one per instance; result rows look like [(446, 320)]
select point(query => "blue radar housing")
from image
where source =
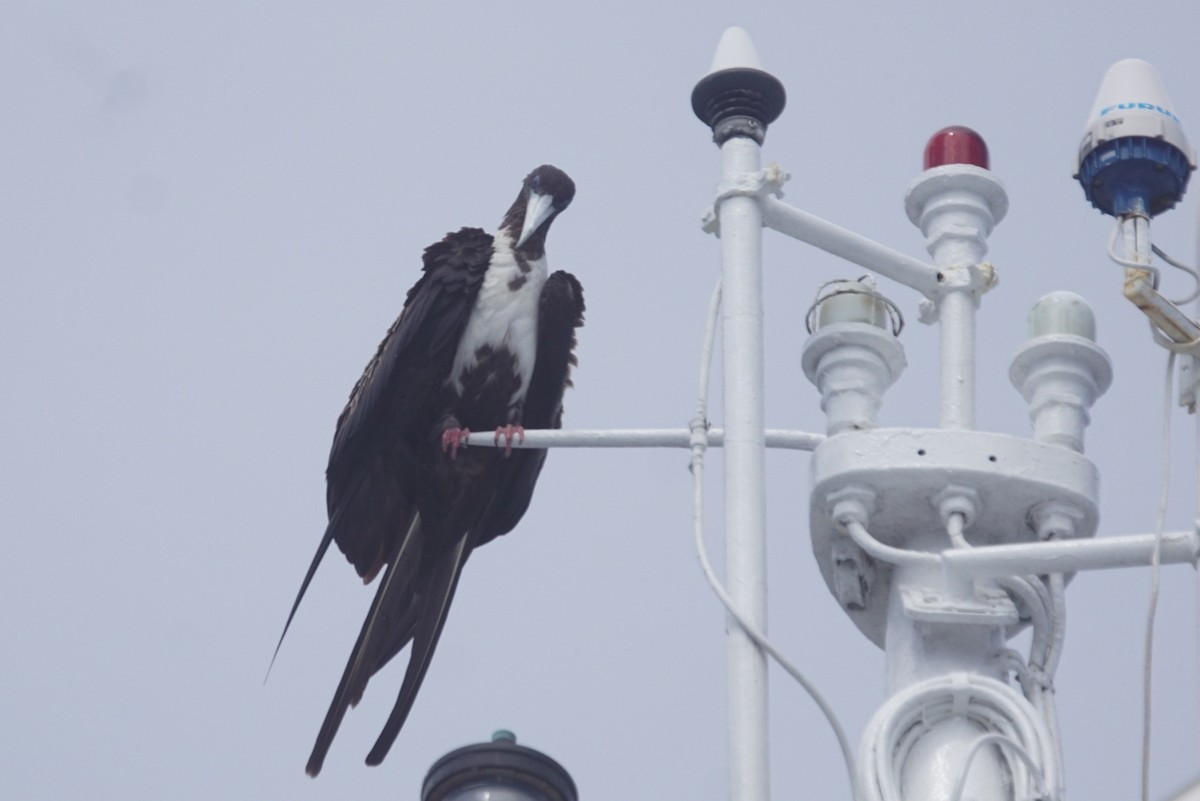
[(1134, 175), (1134, 157)]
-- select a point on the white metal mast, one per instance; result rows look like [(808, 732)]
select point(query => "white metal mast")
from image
[(938, 543), (741, 101)]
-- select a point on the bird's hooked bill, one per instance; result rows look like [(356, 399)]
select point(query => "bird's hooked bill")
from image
[(539, 209)]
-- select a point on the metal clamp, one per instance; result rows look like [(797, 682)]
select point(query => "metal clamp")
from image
[(763, 183)]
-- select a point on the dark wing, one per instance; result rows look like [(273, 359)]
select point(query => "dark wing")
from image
[(560, 312), (393, 406), (370, 463), (373, 463)]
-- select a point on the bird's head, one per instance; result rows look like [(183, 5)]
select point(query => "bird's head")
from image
[(546, 191)]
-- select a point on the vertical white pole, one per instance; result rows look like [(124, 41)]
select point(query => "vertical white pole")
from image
[(956, 224), (1195, 377), (745, 505), (1135, 230), (958, 360), (1196, 391), (738, 100)]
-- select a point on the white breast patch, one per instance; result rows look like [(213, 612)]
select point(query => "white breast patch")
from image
[(504, 317)]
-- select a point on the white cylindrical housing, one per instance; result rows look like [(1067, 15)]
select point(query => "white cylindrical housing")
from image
[(956, 206), (1061, 371), (852, 364), (851, 302)]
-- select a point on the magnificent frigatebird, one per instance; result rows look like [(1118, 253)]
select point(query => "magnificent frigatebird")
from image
[(485, 342)]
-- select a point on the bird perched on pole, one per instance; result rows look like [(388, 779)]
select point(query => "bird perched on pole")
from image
[(484, 343)]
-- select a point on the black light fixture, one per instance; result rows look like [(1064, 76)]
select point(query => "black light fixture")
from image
[(499, 770)]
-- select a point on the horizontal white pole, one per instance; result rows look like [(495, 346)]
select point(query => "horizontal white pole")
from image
[(911, 272), (641, 438), (1069, 556)]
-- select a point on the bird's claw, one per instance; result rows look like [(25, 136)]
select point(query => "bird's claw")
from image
[(453, 438), (509, 432)]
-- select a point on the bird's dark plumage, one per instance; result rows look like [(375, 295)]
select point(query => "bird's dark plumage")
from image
[(485, 340)]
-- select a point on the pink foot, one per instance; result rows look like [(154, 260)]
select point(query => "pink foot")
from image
[(508, 432), (453, 438)]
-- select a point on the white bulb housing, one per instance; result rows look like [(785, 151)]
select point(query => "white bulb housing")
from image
[(1062, 312), (852, 362), (1061, 371)]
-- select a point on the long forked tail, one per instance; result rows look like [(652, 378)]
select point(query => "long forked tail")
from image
[(326, 539), (395, 586), (437, 591), (308, 577)]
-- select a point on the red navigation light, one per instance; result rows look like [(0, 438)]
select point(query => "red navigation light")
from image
[(956, 144)]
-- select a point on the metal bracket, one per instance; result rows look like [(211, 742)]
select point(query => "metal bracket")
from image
[(853, 575), (765, 182), (989, 608), (977, 279), (1174, 330)]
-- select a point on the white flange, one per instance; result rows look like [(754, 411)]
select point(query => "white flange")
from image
[(904, 470)]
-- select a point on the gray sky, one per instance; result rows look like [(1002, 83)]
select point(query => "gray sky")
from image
[(209, 215)]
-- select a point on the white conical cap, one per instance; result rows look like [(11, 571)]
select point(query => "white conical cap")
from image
[(1131, 80), (737, 87), (736, 50), (1132, 101)]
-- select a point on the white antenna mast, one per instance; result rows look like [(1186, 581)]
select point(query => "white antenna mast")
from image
[(740, 100), (940, 543)]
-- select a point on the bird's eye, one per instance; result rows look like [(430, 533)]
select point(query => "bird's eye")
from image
[(535, 183)]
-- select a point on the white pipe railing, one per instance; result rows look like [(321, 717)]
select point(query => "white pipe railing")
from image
[(1069, 556), (640, 438), (850, 246)]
